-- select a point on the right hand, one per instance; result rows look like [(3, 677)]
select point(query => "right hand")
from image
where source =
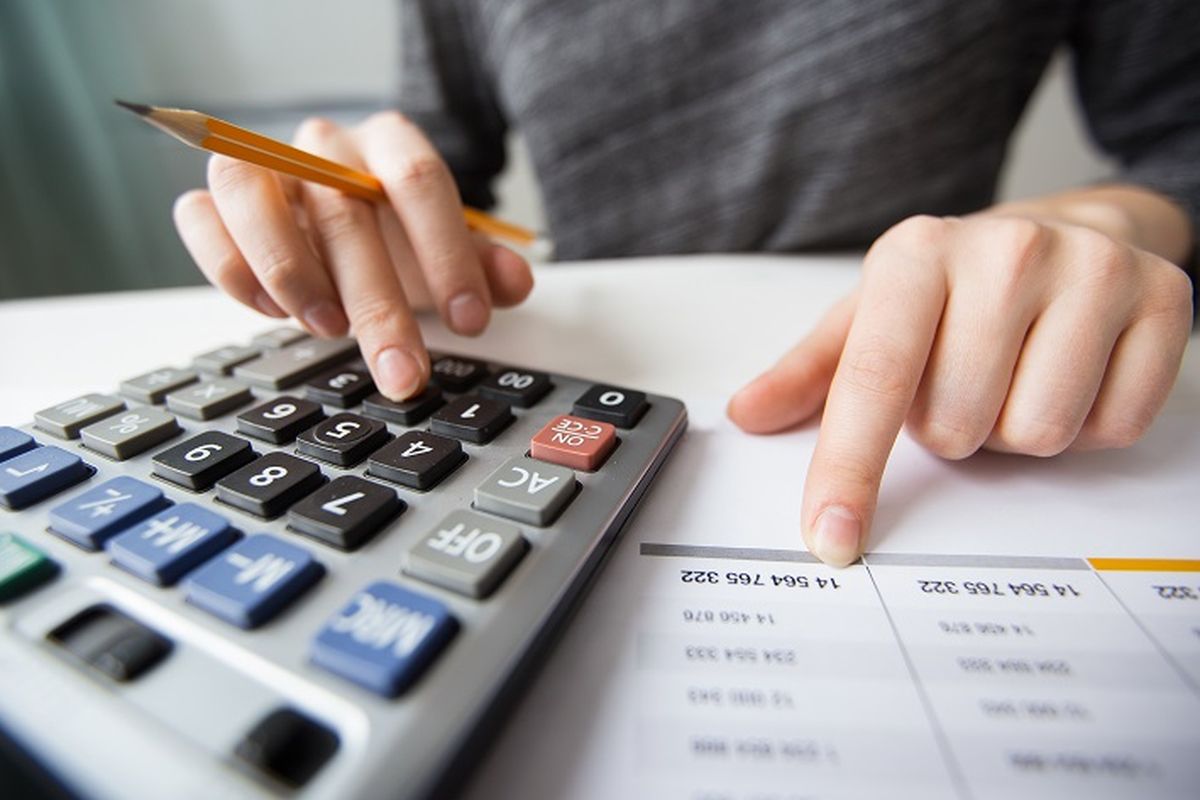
[(288, 247)]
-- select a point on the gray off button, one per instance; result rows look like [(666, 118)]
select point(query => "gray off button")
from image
[(467, 553), (527, 491)]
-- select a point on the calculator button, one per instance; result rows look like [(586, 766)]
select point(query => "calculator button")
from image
[(406, 412), (527, 491), (343, 439), (131, 433), (520, 388), (288, 746), (111, 642), (268, 485), (345, 512), (280, 420), (456, 374), (278, 338), (343, 387), (164, 548), (472, 419), (222, 360), (621, 407), (209, 399), (384, 638), (23, 567), (467, 553), (281, 369), (67, 419), (574, 442), (152, 387), (93, 517), (14, 442), (417, 459), (201, 461), (253, 581), (39, 473)]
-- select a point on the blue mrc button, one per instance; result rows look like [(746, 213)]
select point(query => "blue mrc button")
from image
[(37, 474), (253, 580), (170, 544), (384, 638), (91, 518)]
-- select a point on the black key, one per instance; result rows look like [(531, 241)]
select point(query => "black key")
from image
[(516, 387), (343, 439), (202, 460), (408, 412), (417, 459), (456, 374), (342, 387), (268, 485), (117, 645), (472, 418), (288, 746), (280, 420), (621, 407), (345, 512)]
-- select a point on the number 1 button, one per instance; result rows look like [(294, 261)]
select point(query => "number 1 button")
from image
[(270, 484)]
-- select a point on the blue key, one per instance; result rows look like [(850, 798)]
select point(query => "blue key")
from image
[(172, 543), (253, 580), (384, 638), (93, 517), (13, 442), (39, 473)]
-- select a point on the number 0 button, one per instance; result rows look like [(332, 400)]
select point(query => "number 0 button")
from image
[(270, 484), (621, 407)]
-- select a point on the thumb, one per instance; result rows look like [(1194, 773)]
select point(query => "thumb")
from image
[(794, 389)]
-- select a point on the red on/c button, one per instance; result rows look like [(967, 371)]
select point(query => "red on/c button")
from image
[(574, 442)]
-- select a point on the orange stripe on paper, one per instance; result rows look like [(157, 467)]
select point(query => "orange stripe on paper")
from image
[(1145, 564)]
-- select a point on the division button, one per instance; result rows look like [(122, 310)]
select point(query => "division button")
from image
[(111, 642), (620, 407), (222, 360), (406, 412), (278, 338), (14, 442), (132, 432), (201, 461), (574, 442), (345, 512), (268, 485), (288, 746), (342, 387), (253, 581), (152, 387), (23, 567), (343, 439), (280, 369), (280, 420), (467, 553), (67, 419), (527, 491), (520, 388), (456, 374), (416, 459), (92, 518), (384, 638), (472, 418), (164, 548), (209, 399), (38, 473)]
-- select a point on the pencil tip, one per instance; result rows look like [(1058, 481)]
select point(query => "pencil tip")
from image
[(137, 108)]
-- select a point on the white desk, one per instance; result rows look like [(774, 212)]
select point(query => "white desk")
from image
[(692, 327)]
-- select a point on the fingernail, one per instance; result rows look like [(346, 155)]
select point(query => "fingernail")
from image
[(325, 318), (398, 373), (467, 312), (836, 536), (268, 306)]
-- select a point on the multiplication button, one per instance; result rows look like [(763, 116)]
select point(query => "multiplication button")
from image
[(467, 553), (612, 404), (209, 399), (527, 491)]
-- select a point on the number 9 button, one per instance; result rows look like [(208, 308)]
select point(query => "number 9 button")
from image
[(270, 484), (202, 460)]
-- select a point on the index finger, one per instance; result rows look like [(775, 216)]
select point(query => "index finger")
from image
[(888, 344)]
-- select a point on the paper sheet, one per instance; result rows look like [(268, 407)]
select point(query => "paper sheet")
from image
[(977, 652)]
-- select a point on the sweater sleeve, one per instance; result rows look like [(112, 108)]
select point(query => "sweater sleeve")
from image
[(445, 90)]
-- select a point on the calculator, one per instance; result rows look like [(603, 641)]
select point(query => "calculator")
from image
[(256, 576)]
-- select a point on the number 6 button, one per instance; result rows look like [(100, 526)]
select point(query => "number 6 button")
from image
[(270, 484), (279, 420)]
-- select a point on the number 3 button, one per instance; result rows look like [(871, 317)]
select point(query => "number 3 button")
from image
[(269, 485), (202, 460)]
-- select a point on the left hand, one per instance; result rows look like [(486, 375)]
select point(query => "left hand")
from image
[(1016, 333)]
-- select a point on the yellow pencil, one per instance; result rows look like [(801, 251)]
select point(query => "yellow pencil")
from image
[(218, 136)]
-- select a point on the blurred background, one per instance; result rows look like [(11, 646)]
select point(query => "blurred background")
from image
[(86, 189)]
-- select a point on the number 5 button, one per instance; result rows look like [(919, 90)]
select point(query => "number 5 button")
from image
[(202, 460)]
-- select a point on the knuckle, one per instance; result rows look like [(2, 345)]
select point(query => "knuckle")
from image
[(225, 174), (877, 369), (1122, 431), (316, 129), (337, 217), (278, 269), (374, 316), (1023, 244), (849, 472), (916, 234), (1043, 436), (228, 272), (1104, 264), (418, 172), (950, 436), (1171, 296)]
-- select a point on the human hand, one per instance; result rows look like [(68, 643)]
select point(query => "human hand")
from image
[(1020, 334), (331, 261)]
